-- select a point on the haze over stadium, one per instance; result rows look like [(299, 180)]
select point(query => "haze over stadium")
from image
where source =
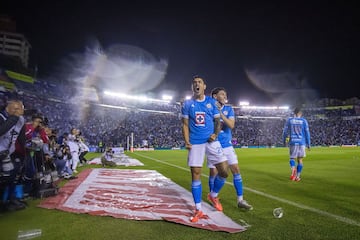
[(99, 83), (262, 53)]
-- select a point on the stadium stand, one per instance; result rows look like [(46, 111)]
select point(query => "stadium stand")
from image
[(112, 121)]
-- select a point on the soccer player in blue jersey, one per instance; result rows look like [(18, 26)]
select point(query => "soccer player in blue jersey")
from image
[(227, 119), (200, 128), (297, 129)]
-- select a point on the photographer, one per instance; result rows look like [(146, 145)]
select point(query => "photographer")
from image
[(73, 143), (50, 165), (63, 162), (83, 149), (107, 158), (11, 130), (37, 150)]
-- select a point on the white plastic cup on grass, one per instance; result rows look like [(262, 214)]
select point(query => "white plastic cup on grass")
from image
[(278, 212)]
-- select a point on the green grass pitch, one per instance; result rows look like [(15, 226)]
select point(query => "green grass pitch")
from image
[(324, 205)]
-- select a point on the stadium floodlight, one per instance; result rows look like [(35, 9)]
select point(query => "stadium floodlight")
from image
[(141, 98), (113, 94), (284, 107), (134, 97), (260, 107), (167, 97), (188, 97), (244, 103)]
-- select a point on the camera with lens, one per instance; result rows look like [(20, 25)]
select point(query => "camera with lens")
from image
[(4, 154), (65, 148), (35, 144)]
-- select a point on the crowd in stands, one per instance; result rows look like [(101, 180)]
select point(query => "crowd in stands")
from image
[(159, 123)]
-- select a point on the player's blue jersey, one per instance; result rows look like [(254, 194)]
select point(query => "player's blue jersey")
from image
[(298, 131), (201, 116), (225, 135)]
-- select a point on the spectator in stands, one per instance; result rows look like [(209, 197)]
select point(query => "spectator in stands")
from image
[(297, 129), (227, 118), (101, 146)]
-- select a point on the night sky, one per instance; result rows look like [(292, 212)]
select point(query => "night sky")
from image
[(259, 52)]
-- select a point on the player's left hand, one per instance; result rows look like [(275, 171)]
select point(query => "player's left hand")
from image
[(47, 158), (212, 137)]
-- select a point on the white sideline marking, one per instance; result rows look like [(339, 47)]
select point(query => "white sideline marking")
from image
[(315, 210)]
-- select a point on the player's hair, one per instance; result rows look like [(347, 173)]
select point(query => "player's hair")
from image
[(37, 115), (216, 90), (198, 76), (297, 110)]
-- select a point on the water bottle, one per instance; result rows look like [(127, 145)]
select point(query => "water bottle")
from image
[(29, 234)]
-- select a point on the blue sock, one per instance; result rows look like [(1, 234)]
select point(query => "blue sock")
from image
[(211, 182), (237, 180), (299, 169), (218, 183), (196, 190), (292, 162)]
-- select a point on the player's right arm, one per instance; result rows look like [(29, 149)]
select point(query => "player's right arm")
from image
[(185, 124), (230, 120), (186, 133), (285, 132), (217, 123), (307, 134)]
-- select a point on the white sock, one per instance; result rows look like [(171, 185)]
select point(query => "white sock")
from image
[(198, 206)]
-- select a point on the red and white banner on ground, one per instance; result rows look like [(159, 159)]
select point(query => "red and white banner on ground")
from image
[(120, 160), (135, 194)]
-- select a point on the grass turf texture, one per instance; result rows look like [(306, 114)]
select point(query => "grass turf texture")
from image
[(324, 205)]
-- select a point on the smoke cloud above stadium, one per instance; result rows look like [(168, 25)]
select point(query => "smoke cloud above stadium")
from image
[(119, 67), (283, 86)]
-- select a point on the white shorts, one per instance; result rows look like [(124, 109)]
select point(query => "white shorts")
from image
[(297, 151), (230, 155), (212, 150)]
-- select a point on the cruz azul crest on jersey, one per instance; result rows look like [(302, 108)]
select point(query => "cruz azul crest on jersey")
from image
[(200, 118)]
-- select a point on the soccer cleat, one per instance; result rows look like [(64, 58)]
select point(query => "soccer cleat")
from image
[(215, 202), (297, 179), (198, 214), (244, 205), (15, 205)]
